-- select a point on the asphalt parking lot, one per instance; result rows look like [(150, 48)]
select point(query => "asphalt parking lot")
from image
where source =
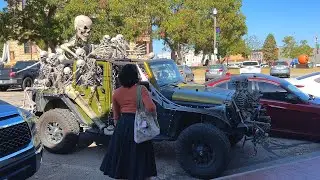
[(84, 163)]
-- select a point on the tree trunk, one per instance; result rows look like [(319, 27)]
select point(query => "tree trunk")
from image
[(173, 55), (52, 47)]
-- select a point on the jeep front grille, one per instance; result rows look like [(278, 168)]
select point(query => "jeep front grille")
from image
[(14, 138)]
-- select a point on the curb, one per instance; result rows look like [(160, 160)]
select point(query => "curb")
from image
[(269, 165)]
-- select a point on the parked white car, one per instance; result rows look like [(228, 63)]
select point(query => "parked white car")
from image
[(250, 67), (309, 83)]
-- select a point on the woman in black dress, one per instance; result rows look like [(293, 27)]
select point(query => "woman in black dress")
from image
[(126, 159)]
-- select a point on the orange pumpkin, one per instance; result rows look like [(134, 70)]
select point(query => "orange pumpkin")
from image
[(303, 59)]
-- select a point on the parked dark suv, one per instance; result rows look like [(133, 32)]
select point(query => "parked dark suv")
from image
[(20, 146), (13, 77)]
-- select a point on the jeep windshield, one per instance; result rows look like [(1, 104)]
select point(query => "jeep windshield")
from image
[(166, 72)]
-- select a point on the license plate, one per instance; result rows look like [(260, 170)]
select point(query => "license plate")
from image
[(8, 81)]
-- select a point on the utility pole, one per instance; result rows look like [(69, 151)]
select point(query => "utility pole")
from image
[(317, 50), (215, 50)]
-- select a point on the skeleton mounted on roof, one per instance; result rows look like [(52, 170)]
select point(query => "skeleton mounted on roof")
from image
[(56, 68)]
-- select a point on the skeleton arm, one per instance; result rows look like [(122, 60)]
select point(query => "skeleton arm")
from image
[(66, 48)]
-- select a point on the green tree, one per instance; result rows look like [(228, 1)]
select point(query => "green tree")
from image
[(191, 22), (292, 49), (50, 22), (270, 52), (241, 48), (179, 23), (289, 47), (304, 48), (35, 22)]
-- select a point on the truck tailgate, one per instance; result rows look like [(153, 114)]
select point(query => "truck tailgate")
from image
[(4, 73)]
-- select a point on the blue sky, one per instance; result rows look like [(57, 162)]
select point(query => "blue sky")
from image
[(300, 18)]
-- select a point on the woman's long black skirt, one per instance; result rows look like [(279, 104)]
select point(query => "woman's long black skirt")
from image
[(125, 159)]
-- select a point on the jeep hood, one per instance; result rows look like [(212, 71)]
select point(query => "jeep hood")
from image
[(197, 93)]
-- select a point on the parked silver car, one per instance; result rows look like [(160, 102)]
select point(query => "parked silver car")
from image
[(216, 71), (280, 69), (186, 73)]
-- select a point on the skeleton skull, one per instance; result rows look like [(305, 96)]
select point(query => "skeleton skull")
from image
[(113, 40), (43, 56), (67, 70), (80, 63), (81, 53), (82, 25), (106, 38), (119, 37)]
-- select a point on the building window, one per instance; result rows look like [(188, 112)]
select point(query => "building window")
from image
[(27, 47)]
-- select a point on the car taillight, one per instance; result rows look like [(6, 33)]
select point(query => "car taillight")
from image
[(299, 86), (228, 74), (12, 74), (207, 70), (220, 70)]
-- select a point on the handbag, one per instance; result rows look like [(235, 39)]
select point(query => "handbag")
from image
[(146, 125)]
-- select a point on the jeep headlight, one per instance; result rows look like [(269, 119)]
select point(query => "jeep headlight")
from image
[(31, 120)]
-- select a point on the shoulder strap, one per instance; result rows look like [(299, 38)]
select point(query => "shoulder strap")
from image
[(139, 97)]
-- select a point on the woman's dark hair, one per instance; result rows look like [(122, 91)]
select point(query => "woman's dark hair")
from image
[(129, 76)]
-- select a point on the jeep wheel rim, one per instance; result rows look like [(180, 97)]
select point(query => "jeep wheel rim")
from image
[(28, 83), (54, 133), (203, 155)]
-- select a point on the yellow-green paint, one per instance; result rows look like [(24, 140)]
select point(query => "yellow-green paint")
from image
[(103, 98), (194, 97), (88, 120), (150, 74)]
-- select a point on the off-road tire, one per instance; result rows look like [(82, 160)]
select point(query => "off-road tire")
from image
[(70, 128), (27, 82), (211, 136), (4, 88)]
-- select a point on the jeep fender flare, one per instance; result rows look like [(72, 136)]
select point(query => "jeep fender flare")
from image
[(47, 102)]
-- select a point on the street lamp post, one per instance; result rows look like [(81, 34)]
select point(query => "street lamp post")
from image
[(215, 50)]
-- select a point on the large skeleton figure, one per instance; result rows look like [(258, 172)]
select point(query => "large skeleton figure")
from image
[(82, 25), (56, 68)]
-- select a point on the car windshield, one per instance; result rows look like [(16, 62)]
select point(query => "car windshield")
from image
[(308, 75), (166, 72), (250, 63), (280, 63)]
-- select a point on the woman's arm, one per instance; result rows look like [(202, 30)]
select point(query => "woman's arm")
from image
[(115, 108), (147, 100)]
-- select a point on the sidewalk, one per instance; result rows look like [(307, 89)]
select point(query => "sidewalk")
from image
[(303, 169)]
